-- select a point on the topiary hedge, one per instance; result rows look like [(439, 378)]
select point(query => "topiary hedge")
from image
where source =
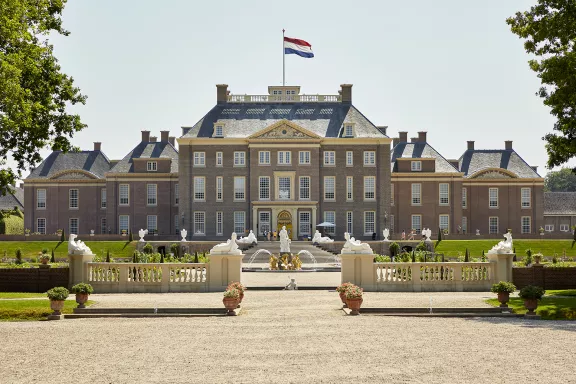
[(11, 225)]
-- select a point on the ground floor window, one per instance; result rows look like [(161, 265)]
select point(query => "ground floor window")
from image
[(392, 228), (152, 224), (239, 223), (176, 225), (526, 224), (41, 226), (416, 223), (219, 223), (549, 228), (199, 223), (444, 221), (330, 217), (350, 222), (304, 223), (264, 222), (103, 226), (464, 224), (493, 224), (564, 227), (73, 226), (123, 224), (369, 222)]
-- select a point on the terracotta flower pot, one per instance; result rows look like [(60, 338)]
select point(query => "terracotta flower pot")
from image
[(531, 305), (503, 298), (343, 298), (537, 259), (354, 305), (57, 306), (44, 261), (81, 299), (230, 304)]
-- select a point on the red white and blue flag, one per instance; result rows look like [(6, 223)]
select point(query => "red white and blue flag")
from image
[(297, 47)]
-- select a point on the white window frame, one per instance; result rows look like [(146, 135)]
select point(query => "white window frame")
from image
[(152, 166), (526, 228), (391, 224), (239, 159), (120, 217), (176, 224), (219, 159), (332, 196), (392, 194), (240, 195), (493, 202), (199, 159), (124, 200), (73, 202), (350, 222), (417, 228), (369, 158), (263, 157), (446, 224), (416, 194), (329, 158), (151, 195), (304, 223), (549, 227), (349, 188), (264, 221), (103, 202), (281, 180), (218, 130), (176, 194), (492, 229), (348, 130), (103, 226), (564, 227), (349, 158), (284, 157), (152, 224), (464, 224), (330, 230), (199, 188), (199, 223), (239, 219), (464, 198), (369, 188), (526, 198), (219, 188), (369, 225), (41, 198), (305, 187), (264, 190), (304, 157), (70, 221), (416, 166), (41, 228), (443, 196), (219, 223)]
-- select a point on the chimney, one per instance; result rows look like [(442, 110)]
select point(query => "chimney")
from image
[(97, 146), (145, 136), (508, 145), (422, 136), (164, 136), (413, 139), (470, 145), (403, 137), (395, 141), (185, 130), (153, 139), (172, 140), (221, 93), (346, 93)]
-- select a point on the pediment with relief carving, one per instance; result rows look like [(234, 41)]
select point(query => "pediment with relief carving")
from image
[(67, 175), (284, 130)]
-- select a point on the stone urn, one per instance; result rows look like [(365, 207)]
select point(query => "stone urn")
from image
[(57, 306), (354, 305), (230, 303), (343, 299), (531, 305), (503, 298), (81, 299)]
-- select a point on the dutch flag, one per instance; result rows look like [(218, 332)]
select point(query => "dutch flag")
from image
[(297, 47)]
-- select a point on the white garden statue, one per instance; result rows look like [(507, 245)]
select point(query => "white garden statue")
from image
[(228, 248), (386, 234), (284, 241), (183, 233), (250, 239), (319, 239), (142, 233), (355, 246), (503, 247), (77, 247), (427, 233)]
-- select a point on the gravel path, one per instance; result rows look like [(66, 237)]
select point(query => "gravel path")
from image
[(288, 337)]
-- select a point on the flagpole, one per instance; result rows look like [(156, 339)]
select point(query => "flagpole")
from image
[(283, 61)]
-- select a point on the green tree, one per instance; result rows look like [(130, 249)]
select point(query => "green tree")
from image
[(549, 33), (34, 92), (563, 180)]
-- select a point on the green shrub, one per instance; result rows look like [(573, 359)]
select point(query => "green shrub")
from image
[(394, 248), (63, 236), (504, 287), (18, 256), (148, 248), (467, 256), (58, 293), (82, 288), (532, 292), (421, 247), (162, 258), (175, 249), (53, 258), (11, 225), (107, 255), (130, 237), (382, 259)]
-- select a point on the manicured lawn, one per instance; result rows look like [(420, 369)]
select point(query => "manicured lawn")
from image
[(561, 292), (451, 248), (549, 308), (31, 248), (20, 295), (27, 310)]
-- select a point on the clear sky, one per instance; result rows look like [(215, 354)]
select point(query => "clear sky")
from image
[(449, 67)]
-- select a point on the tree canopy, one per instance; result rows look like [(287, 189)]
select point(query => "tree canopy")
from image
[(34, 93), (549, 33), (563, 180)]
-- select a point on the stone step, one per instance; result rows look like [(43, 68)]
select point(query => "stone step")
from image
[(436, 312), (87, 313)]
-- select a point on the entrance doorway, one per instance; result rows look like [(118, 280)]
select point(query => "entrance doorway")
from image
[(285, 219)]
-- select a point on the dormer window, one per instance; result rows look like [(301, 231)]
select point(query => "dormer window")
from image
[(152, 166), (416, 166), (218, 130), (349, 130)]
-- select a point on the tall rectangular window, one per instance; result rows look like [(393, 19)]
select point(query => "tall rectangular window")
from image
[(219, 223), (304, 223), (152, 166), (392, 194), (199, 188), (219, 131), (493, 224), (464, 198), (41, 226), (176, 225), (349, 158), (369, 187), (239, 188), (526, 197), (329, 187), (264, 157), (369, 158), (41, 198), (350, 222), (239, 159), (304, 157), (417, 223), (526, 224), (304, 187), (444, 192), (123, 194), (176, 194), (219, 188), (73, 226), (219, 159), (369, 223), (444, 222), (392, 228), (330, 217), (284, 188), (416, 166), (199, 223), (239, 222), (103, 198), (73, 199), (152, 223), (284, 158), (264, 222), (123, 224), (103, 226), (199, 159), (349, 188), (416, 194), (493, 197), (264, 187), (464, 224), (329, 158), (348, 130), (151, 194)]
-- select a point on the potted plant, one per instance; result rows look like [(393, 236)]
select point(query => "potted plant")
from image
[(82, 291), (44, 258), (241, 288), (57, 296), (503, 289), (341, 289), (27, 232), (537, 258), (354, 299), (230, 300), (541, 230), (531, 294)]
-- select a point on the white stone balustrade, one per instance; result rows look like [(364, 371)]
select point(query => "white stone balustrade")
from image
[(283, 98)]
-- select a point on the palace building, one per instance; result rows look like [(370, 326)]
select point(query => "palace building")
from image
[(260, 162)]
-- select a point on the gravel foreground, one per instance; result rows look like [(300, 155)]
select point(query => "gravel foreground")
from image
[(288, 337)]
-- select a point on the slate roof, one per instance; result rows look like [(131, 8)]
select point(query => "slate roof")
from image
[(9, 201), (244, 119), (94, 162), (476, 160), (560, 203), (148, 150), (421, 150)]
